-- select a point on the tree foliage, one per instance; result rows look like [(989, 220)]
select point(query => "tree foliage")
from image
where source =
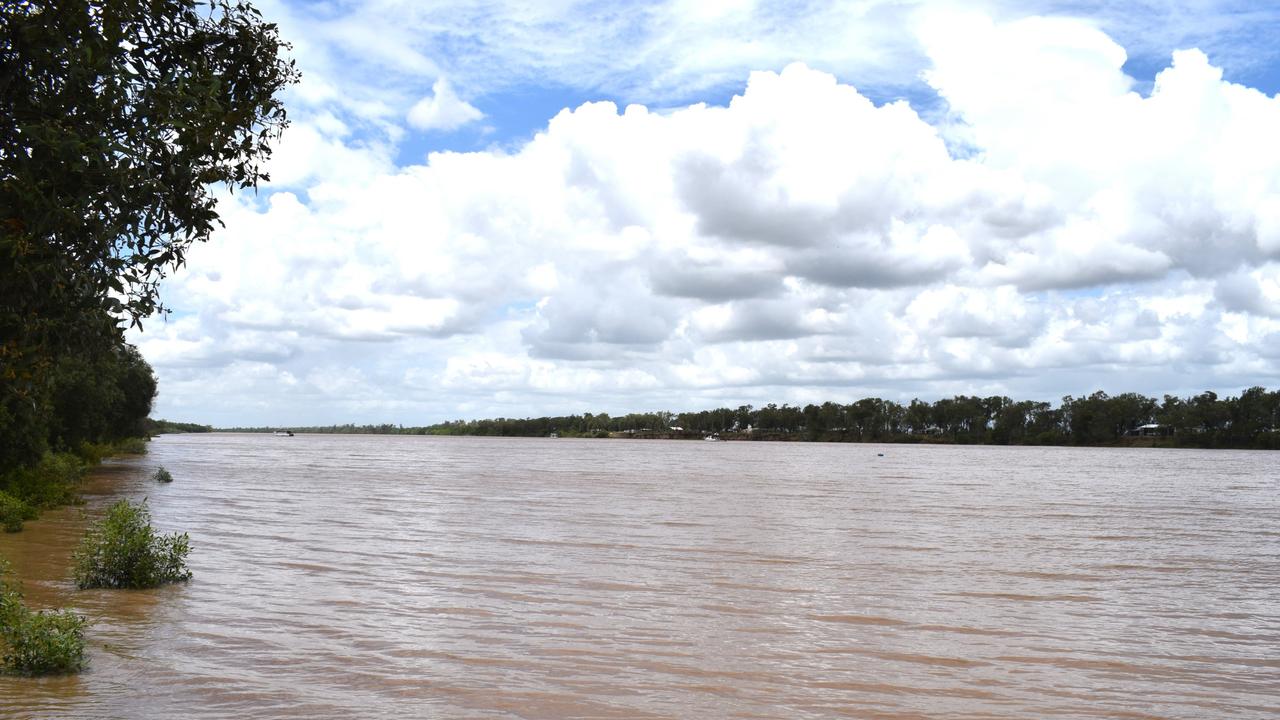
[(118, 117), (84, 398)]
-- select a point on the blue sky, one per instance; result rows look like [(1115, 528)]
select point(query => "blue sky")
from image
[(1238, 35), (808, 201)]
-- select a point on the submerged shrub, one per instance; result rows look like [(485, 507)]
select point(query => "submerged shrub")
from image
[(162, 475), (13, 512), (124, 551), (37, 642)]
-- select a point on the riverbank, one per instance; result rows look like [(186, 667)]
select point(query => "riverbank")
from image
[(54, 481)]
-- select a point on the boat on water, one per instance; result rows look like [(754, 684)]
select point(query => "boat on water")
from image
[(711, 438), (283, 433)]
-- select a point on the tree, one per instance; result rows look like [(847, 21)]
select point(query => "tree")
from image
[(116, 119), (103, 397), (119, 116), (918, 417)]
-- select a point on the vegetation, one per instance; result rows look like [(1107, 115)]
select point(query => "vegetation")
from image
[(37, 642), (161, 427), (124, 551), (80, 406), (1251, 420), (162, 476), (131, 446), (14, 512), (120, 115), (52, 482)]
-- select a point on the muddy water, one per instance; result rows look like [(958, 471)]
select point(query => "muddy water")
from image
[(345, 576)]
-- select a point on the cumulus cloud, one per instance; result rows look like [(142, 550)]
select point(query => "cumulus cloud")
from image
[(442, 110), (1254, 293), (799, 240)]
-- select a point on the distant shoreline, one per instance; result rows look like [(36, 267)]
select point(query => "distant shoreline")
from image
[(800, 437), (1248, 421)]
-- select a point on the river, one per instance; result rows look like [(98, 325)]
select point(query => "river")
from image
[(366, 576)]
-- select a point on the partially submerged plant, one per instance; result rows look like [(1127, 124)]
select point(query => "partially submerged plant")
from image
[(37, 642), (124, 551), (13, 512), (162, 475)]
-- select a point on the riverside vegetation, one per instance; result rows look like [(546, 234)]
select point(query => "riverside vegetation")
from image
[(53, 481)]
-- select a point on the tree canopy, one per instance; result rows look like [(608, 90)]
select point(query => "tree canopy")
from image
[(117, 117)]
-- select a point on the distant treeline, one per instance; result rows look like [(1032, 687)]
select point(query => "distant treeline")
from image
[(1250, 420)]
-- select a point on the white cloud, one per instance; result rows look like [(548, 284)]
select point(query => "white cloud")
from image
[(799, 241), (442, 110)]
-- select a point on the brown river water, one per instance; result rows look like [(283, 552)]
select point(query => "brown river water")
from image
[(418, 577)]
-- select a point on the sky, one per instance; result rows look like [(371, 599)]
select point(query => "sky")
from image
[(507, 209)]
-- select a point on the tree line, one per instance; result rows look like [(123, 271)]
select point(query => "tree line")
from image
[(1249, 420), (99, 396)]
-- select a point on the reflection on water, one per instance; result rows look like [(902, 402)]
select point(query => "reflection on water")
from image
[(356, 576)]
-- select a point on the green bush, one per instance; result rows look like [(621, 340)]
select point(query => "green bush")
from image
[(162, 475), (50, 483), (37, 642), (131, 446), (95, 452), (92, 453), (13, 512), (124, 551)]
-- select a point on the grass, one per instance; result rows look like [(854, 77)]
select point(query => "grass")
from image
[(161, 475), (37, 642), (124, 551)]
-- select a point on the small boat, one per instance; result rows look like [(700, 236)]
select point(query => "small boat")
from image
[(712, 438), (283, 433), (554, 435)]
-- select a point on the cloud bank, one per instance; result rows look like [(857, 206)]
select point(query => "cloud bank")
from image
[(1054, 230)]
